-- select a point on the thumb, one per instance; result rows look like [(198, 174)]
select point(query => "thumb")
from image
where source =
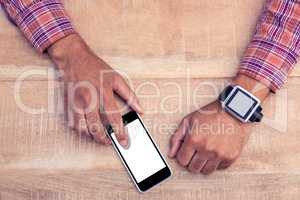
[(177, 138), (124, 91)]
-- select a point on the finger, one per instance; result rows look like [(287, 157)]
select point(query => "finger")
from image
[(113, 117), (122, 89), (75, 114), (80, 125), (210, 166), (225, 164), (177, 138), (76, 120), (197, 163), (95, 127), (185, 153)]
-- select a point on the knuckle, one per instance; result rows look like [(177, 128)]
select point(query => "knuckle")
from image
[(194, 140), (198, 142), (181, 161), (222, 154), (224, 165), (193, 169), (95, 129), (211, 154), (210, 147), (207, 171)]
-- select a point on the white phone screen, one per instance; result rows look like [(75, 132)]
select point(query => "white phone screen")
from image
[(141, 157)]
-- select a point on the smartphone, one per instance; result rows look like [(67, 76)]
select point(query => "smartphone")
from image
[(142, 159)]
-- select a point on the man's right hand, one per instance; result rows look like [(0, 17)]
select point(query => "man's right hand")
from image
[(90, 85)]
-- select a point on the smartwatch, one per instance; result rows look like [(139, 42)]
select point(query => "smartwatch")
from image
[(241, 104)]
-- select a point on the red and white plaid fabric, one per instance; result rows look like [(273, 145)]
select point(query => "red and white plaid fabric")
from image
[(269, 57), (275, 46), (43, 22)]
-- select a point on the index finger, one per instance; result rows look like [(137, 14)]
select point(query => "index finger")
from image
[(110, 115)]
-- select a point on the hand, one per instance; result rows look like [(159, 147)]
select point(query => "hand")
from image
[(208, 139), (90, 85)]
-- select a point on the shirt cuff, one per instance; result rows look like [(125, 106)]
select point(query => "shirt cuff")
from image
[(44, 22), (267, 62)]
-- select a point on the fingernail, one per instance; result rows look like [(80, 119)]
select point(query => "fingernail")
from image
[(124, 143)]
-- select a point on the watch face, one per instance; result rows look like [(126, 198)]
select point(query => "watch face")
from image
[(241, 103)]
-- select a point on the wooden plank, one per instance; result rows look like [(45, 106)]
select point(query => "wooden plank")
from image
[(102, 184), (150, 39), (41, 159), (165, 47)]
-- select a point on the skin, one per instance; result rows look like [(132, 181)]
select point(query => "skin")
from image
[(90, 110), (195, 145), (202, 149)]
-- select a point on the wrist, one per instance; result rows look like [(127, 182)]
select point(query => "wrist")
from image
[(242, 99), (253, 86), (225, 115), (67, 49)]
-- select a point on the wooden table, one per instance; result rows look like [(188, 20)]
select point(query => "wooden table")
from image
[(178, 54)]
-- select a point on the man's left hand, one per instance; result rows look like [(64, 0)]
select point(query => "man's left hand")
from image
[(208, 139)]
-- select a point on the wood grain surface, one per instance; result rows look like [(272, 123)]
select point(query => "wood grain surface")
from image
[(178, 55), (150, 38)]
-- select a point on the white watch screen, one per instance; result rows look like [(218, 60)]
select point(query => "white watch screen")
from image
[(241, 103)]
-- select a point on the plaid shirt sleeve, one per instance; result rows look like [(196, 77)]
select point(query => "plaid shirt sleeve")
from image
[(43, 22), (275, 46)]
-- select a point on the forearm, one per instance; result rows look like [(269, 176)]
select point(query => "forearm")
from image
[(43, 22), (274, 48)]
